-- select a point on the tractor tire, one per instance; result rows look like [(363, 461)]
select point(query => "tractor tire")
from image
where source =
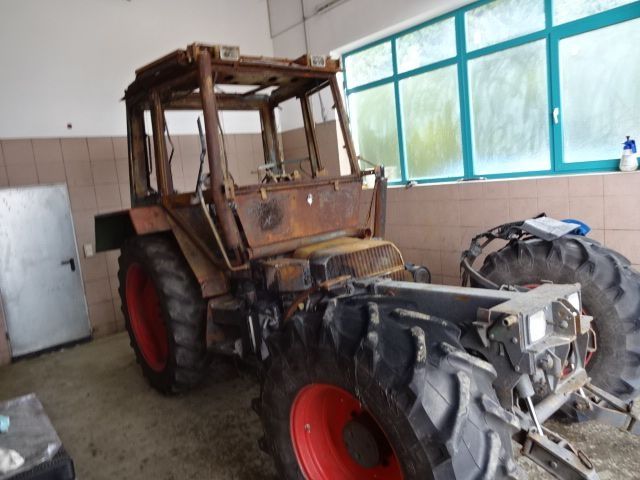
[(369, 390), (610, 293), (164, 313)]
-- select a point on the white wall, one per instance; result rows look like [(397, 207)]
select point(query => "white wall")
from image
[(69, 61), (334, 27)]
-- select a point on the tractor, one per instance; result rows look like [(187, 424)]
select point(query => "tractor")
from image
[(367, 371)]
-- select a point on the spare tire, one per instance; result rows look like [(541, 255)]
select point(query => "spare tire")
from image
[(610, 293), (371, 391)]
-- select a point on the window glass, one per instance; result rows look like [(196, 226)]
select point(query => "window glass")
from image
[(428, 45), (509, 110), (431, 118), (373, 120), (503, 20), (599, 91), (369, 65), (568, 10)]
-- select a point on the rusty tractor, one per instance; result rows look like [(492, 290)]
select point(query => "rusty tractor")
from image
[(366, 371)]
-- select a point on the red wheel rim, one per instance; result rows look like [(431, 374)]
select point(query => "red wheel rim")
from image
[(590, 354), (322, 424), (145, 317)]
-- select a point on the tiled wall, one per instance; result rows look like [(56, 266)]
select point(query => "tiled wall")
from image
[(97, 175), (431, 224)]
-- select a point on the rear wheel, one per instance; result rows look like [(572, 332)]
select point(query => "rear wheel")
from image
[(610, 293), (164, 313), (371, 391)]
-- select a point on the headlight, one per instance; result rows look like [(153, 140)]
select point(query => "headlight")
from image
[(574, 300), (537, 326)]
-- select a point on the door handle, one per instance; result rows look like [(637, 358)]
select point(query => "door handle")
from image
[(71, 262)]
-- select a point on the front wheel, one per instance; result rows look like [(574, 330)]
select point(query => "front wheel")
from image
[(610, 293), (371, 391)]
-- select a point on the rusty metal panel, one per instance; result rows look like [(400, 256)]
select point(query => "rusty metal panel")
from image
[(149, 219), (213, 282), (284, 275), (271, 216)]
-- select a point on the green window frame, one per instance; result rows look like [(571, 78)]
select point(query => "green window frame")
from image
[(551, 34)]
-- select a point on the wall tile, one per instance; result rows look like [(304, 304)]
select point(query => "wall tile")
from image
[(556, 207), (97, 290), (78, 173), (122, 170), (83, 198), (471, 213), (74, 150), (523, 208), (102, 318), (125, 195), (51, 172), (4, 178), (627, 242), (17, 152), (20, 175), (108, 196), (588, 209), (432, 260), (622, 183), (94, 268), (100, 148), (471, 190), (553, 187), (120, 148), (496, 189), (621, 212), (46, 150), (523, 188), (104, 172), (586, 185)]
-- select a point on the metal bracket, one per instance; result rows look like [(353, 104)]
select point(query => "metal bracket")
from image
[(558, 457), (597, 405)]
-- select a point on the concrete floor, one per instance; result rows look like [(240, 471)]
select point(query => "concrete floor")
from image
[(115, 426)]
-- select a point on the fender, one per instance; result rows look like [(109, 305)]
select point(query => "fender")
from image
[(112, 229)]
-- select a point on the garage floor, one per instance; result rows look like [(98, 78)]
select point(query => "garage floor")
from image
[(115, 426)]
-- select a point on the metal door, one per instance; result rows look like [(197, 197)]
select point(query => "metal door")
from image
[(41, 286)]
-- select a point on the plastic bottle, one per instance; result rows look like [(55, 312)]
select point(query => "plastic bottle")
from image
[(629, 159)]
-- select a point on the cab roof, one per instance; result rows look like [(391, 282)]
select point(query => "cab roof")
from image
[(178, 72)]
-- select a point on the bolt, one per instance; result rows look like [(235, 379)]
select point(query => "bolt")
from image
[(553, 464), (514, 340), (517, 368), (307, 427), (492, 336), (564, 324)]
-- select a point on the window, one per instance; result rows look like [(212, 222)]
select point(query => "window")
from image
[(431, 116), (509, 121), (499, 88), (568, 10), (427, 45), (502, 20), (375, 128), (596, 66)]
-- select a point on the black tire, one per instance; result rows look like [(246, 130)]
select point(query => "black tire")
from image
[(610, 293), (433, 401), (181, 307)]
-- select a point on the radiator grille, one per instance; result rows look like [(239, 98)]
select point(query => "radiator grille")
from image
[(378, 260)]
